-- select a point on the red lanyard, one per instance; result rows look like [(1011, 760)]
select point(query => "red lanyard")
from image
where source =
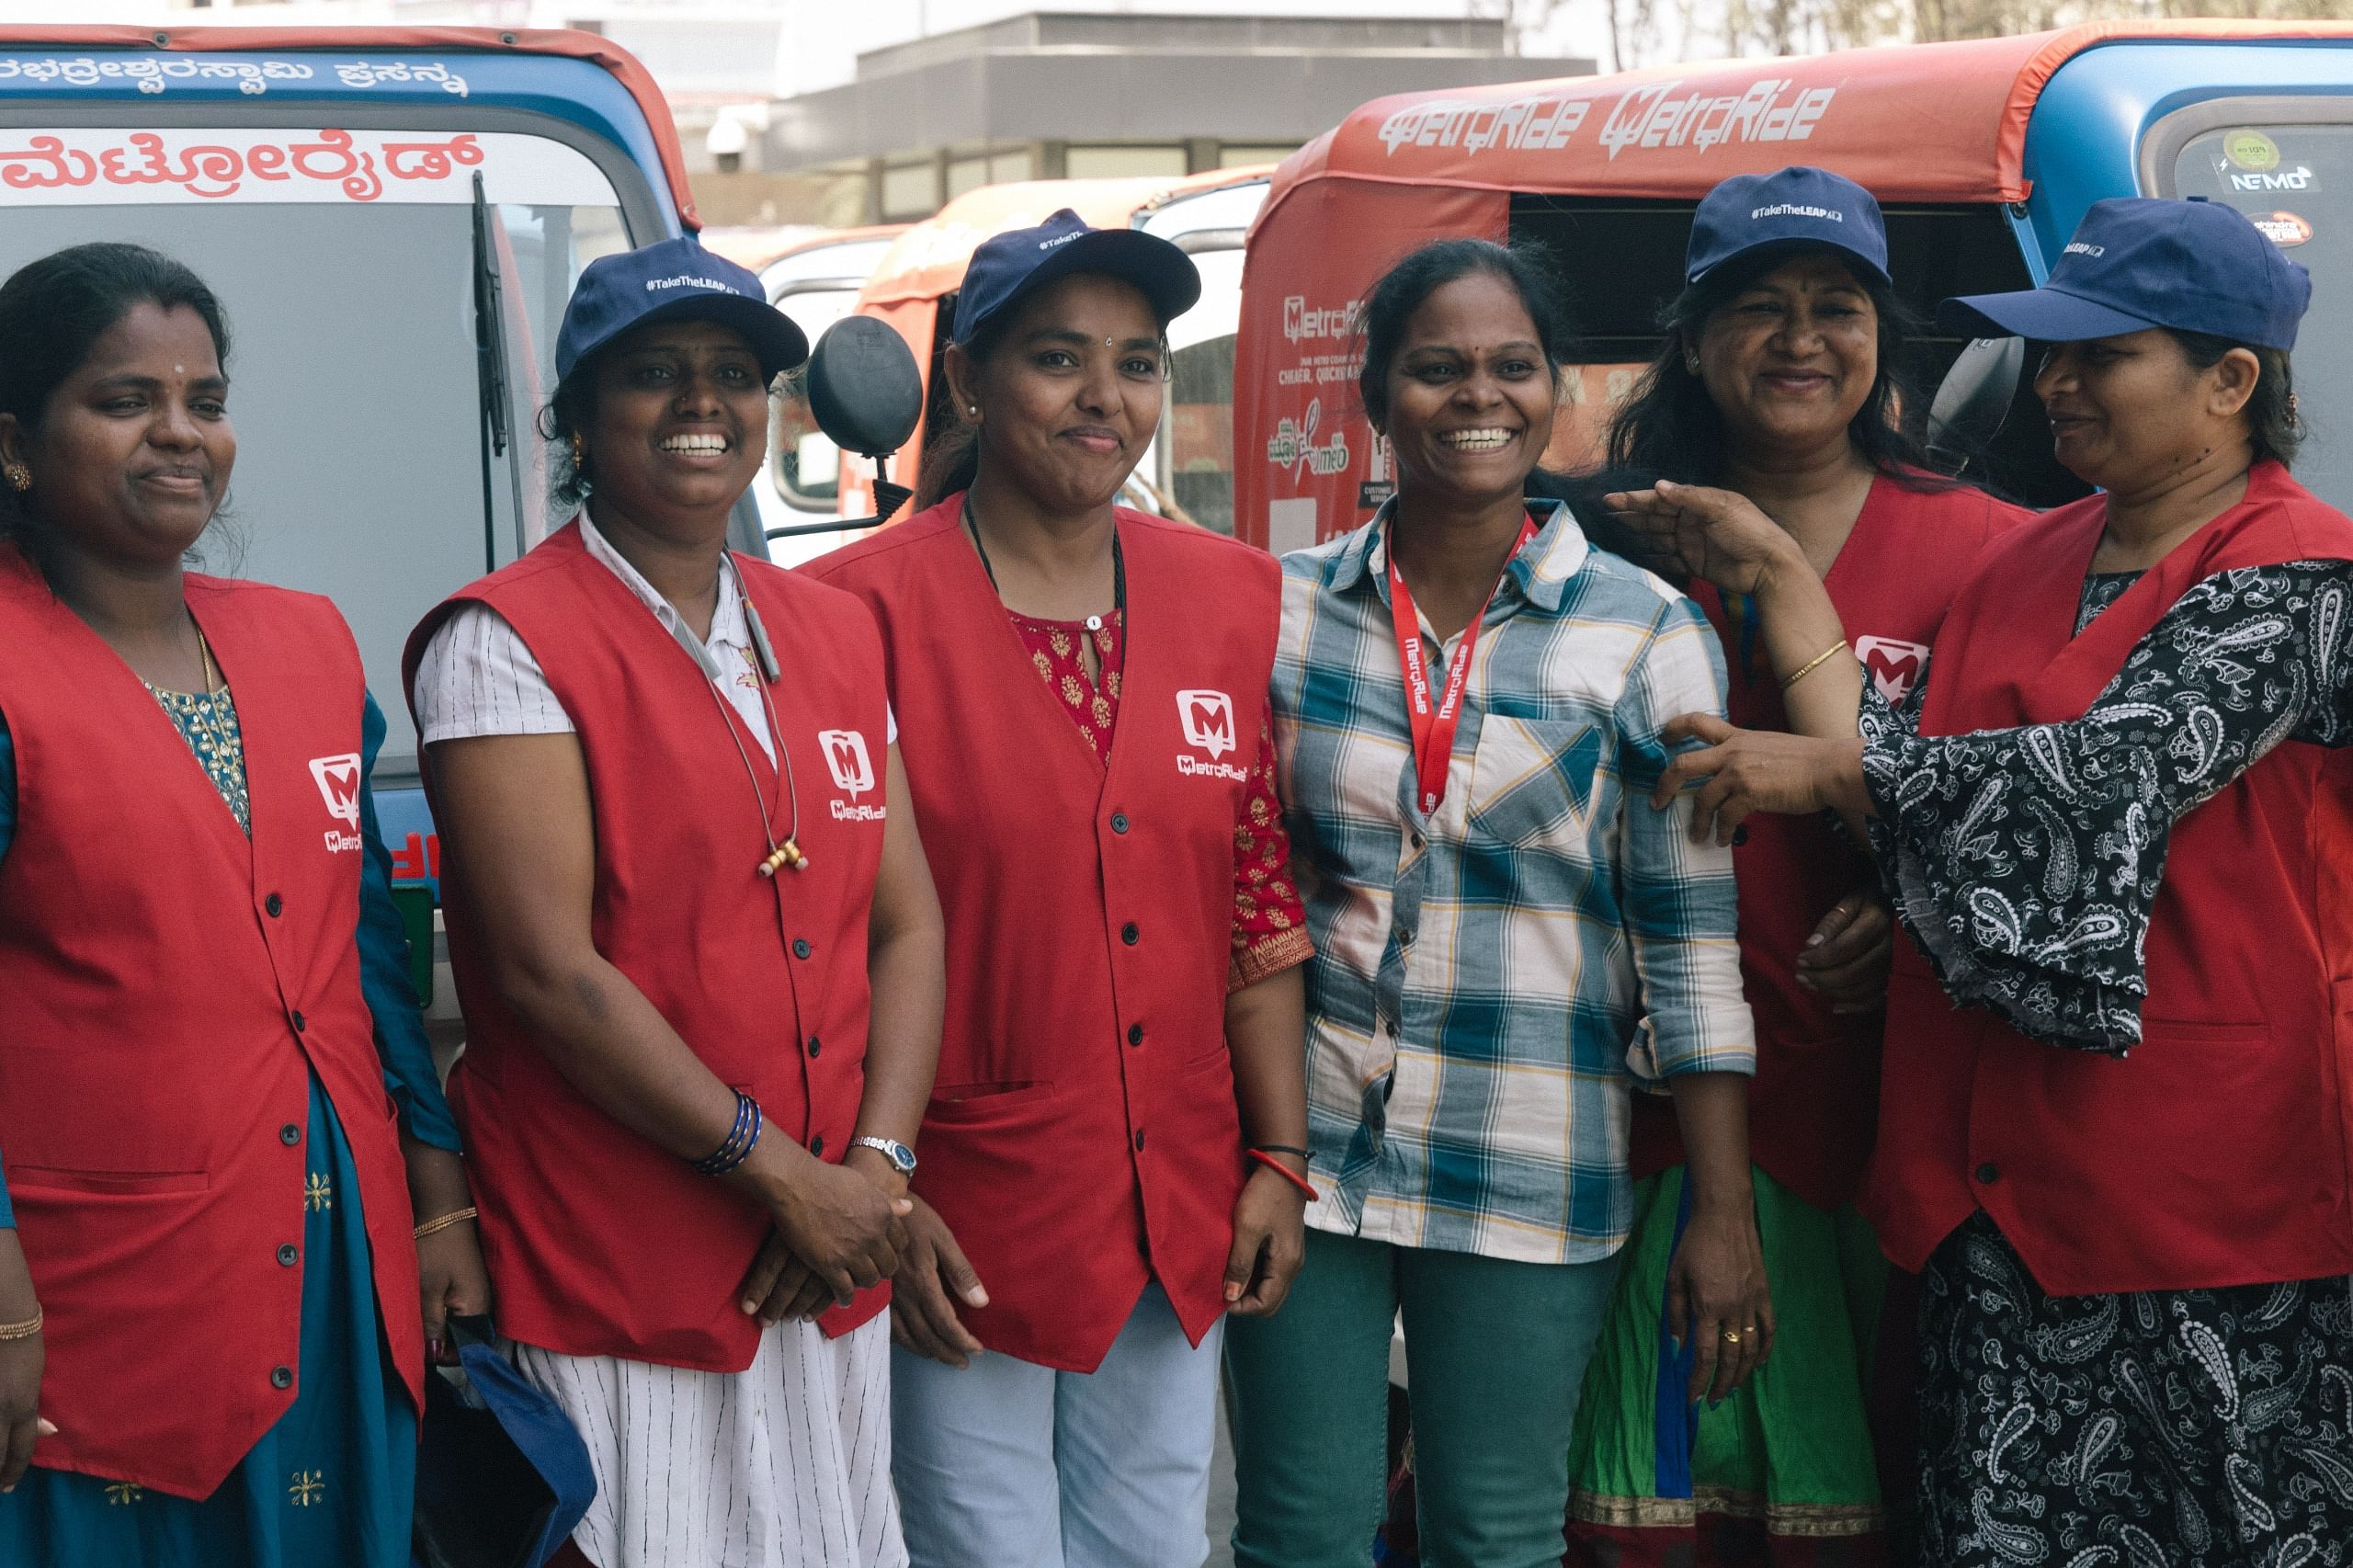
[(1433, 732)]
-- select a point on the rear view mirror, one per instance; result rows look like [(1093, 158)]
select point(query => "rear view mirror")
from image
[(867, 396), (1975, 399)]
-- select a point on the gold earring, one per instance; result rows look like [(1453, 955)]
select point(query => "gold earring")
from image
[(20, 478), (579, 454)]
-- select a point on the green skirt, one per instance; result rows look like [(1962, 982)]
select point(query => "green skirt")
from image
[(1784, 1468)]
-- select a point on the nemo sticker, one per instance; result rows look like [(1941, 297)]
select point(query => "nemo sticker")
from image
[(2283, 229)]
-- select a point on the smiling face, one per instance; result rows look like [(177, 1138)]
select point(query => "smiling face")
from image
[(2131, 411), (1471, 392), (1791, 359), (133, 450), (680, 428), (1069, 393)]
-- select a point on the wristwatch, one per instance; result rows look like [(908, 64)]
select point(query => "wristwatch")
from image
[(902, 1158)]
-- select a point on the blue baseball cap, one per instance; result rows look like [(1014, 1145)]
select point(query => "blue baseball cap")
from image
[(1008, 265), (1793, 208), (672, 280), (2137, 262)]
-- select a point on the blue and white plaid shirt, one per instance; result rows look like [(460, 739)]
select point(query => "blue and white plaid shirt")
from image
[(1489, 981)]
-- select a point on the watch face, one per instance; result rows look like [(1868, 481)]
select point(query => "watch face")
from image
[(903, 1158)]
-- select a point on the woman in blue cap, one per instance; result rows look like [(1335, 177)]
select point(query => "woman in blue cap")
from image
[(699, 952), (2115, 818), (1113, 1157), (1779, 380)]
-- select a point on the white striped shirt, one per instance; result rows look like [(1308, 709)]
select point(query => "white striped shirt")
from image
[(786, 1464), (476, 676)]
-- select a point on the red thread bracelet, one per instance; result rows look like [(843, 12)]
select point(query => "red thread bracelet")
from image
[(1283, 1171)]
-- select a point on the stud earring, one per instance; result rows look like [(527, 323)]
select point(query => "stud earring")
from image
[(973, 409), (20, 478)]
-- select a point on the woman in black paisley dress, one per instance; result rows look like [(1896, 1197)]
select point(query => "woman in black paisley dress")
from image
[(2116, 817)]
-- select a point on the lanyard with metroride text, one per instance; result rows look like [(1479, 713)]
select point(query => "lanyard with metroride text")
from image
[(1434, 730)]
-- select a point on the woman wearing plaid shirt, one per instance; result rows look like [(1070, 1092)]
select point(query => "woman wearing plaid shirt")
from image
[(1505, 938)]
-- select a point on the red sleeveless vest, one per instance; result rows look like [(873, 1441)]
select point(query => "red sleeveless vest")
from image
[(2216, 1151), (169, 986), (1081, 1138), (1815, 1100), (599, 1244)]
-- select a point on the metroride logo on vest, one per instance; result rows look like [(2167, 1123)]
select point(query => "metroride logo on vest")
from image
[(1893, 665), (338, 781), (1208, 717), (852, 766)]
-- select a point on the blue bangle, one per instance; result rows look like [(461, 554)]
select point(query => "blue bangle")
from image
[(740, 1140)]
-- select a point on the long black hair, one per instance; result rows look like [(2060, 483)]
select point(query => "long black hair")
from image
[(1671, 427), (1528, 269), (52, 312)]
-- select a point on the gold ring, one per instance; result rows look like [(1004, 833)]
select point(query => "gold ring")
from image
[(1732, 1337)]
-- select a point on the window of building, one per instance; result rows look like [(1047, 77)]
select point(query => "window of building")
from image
[(989, 168), (910, 190), (1122, 163), (1235, 154)]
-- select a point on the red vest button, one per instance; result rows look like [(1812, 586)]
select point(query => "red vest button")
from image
[(800, 946), (1139, 1140), (1129, 934), (817, 1145), (299, 1023), (816, 1045), (1989, 1172), (275, 905), (289, 1135), (1118, 822), (282, 1377), (1135, 1034), (286, 1255)]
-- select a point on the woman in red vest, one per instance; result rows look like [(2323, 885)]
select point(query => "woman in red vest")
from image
[(1112, 1159), (2116, 820), (698, 949), (1779, 381), (217, 1107)]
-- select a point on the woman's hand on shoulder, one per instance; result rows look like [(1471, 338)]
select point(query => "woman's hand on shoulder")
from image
[(1718, 536), (1740, 772), (21, 1426)]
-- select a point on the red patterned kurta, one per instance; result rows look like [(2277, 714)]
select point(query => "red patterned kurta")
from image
[(1269, 923)]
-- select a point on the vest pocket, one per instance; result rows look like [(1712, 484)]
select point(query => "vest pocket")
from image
[(1207, 1062), (1531, 780), (129, 1184), (959, 1103)]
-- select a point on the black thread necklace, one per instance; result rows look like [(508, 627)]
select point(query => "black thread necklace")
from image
[(1118, 566)]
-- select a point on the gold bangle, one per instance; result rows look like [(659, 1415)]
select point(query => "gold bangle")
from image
[(1815, 663), (445, 1222), (24, 1330)]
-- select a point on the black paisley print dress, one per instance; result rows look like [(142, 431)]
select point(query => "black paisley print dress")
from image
[(2158, 1429)]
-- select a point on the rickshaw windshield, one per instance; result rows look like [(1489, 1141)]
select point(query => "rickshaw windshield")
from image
[(356, 383), (2289, 167)]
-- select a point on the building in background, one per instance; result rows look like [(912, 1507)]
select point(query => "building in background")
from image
[(804, 112), (1114, 93)]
